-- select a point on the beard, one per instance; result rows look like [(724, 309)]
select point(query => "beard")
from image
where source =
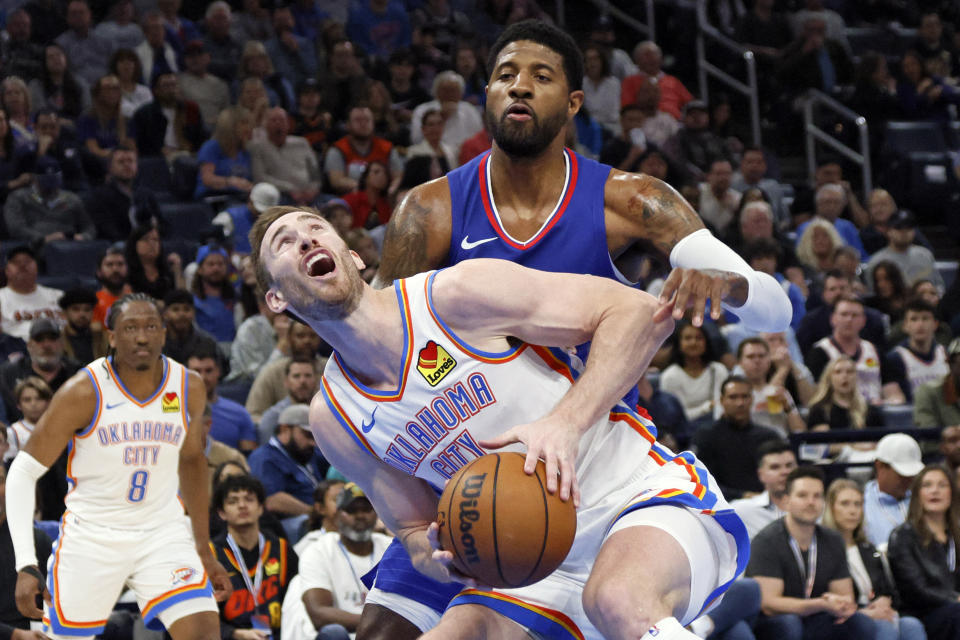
[(301, 456), (513, 138), (356, 535)]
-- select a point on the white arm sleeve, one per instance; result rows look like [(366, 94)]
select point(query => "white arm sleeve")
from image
[(767, 307), (21, 503)]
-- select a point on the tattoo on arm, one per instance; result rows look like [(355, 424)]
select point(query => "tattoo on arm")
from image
[(404, 245), (663, 215)]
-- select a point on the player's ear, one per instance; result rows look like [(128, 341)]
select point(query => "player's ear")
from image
[(575, 101), (275, 300), (357, 260)]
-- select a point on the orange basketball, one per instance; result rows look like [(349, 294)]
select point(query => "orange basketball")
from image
[(502, 525)]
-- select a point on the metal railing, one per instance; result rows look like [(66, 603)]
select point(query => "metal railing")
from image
[(648, 30), (705, 69), (814, 134)]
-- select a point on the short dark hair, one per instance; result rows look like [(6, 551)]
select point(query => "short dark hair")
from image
[(550, 37), (299, 359), (919, 305), (836, 274), (751, 340), (241, 482), (762, 248), (752, 148), (849, 299), (805, 471), (734, 379), (112, 250), (117, 308), (205, 352), (630, 106), (772, 447), (178, 296)]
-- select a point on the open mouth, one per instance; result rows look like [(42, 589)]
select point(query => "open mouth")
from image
[(320, 264), (519, 111)]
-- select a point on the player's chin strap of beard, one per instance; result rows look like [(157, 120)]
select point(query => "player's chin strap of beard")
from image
[(21, 503), (767, 307)]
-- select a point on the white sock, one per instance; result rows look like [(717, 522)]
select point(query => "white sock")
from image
[(668, 629)]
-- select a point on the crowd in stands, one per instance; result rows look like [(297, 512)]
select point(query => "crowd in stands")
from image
[(139, 141)]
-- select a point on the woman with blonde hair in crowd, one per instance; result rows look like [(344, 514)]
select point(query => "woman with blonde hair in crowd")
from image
[(923, 553), (224, 162), (838, 405), (254, 101), (875, 592), (255, 63), (15, 99), (816, 246)]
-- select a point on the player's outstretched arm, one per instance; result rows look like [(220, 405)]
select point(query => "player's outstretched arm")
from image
[(640, 208), (486, 301), (71, 410), (195, 486), (406, 504), (418, 234)]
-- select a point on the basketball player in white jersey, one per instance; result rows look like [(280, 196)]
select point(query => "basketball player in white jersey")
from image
[(131, 424), (656, 543)]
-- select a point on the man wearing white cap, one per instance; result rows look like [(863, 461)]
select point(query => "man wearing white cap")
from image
[(237, 220), (886, 499)]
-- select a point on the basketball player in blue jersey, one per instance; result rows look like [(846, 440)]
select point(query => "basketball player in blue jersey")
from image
[(656, 544), (534, 202), (131, 425)]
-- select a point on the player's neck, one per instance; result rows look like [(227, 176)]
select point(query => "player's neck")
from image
[(921, 346), (372, 328), (247, 535), (528, 184), (140, 383)]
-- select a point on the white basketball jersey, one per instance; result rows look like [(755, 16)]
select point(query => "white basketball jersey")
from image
[(868, 367), (452, 396), (920, 371), (123, 468)]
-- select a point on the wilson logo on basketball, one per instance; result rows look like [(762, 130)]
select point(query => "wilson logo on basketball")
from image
[(470, 490), (434, 363), (170, 402)]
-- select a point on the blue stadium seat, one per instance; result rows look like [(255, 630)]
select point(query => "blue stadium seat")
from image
[(154, 174), (69, 282), (236, 391), (653, 377), (183, 247), (72, 257), (898, 416), (911, 137), (948, 271), (49, 527), (187, 219)]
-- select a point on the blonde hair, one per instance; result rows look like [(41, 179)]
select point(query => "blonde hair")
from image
[(225, 132), (805, 245), (15, 82), (825, 391), (250, 49), (829, 521)]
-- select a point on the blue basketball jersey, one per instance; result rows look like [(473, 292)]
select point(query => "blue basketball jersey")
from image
[(572, 239)]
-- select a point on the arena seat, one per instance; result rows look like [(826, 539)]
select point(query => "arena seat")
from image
[(153, 173), (183, 247), (187, 219), (912, 137), (49, 527), (869, 38), (236, 391), (70, 257), (898, 416), (948, 271), (68, 282)]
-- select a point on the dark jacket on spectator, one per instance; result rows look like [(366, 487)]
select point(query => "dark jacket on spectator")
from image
[(149, 127), (922, 574), (882, 583), (10, 617), (110, 208), (800, 70), (66, 151)]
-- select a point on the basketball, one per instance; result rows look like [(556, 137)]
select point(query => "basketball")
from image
[(502, 525)]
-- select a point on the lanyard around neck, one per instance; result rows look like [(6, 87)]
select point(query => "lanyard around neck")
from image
[(254, 587), (303, 468), (808, 572)]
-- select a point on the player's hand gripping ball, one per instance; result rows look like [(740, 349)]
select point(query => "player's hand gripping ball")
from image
[(502, 526)]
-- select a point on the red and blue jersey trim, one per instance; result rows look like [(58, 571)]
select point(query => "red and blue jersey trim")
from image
[(344, 419), (545, 622), (486, 195), (152, 609), (483, 356), (388, 396), (130, 396), (55, 620)]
